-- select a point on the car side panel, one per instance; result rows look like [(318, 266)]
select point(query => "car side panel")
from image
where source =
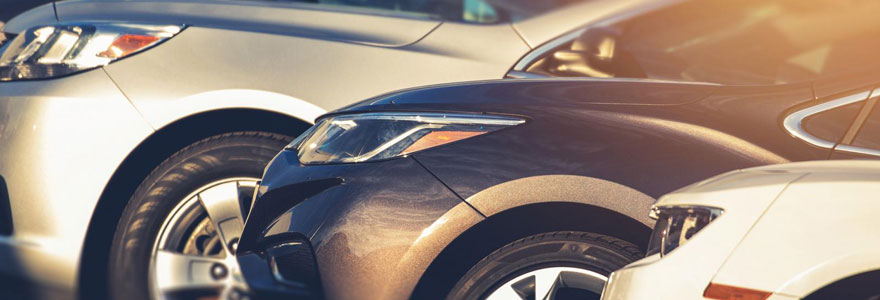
[(206, 68), (53, 186), (807, 227), (337, 23)]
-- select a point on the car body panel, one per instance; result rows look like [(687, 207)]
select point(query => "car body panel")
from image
[(563, 188), (836, 210), (702, 126), (37, 120), (809, 224), (296, 19), (744, 197), (359, 225), (306, 94)]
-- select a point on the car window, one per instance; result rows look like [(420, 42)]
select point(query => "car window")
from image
[(729, 42), (472, 11), (831, 125), (869, 134)]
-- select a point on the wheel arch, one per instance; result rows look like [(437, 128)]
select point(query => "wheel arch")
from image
[(142, 160), (856, 286), (573, 206)]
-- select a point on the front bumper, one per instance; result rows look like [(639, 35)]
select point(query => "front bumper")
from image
[(60, 142), (653, 279), (371, 228)]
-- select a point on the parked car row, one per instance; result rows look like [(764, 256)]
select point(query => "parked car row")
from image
[(135, 138)]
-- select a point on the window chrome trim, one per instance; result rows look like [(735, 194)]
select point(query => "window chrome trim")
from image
[(793, 123), (857, 150)]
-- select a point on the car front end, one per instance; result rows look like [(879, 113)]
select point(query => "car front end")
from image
[(64, 129), (698, 228), (350, 196)]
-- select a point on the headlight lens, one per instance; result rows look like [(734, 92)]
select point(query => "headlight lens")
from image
[(678, 224), (377, 136), (62, 49)]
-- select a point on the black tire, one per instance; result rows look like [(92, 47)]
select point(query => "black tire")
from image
[(238, 154), (594, 252)]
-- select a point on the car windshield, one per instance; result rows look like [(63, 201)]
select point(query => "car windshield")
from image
[(749, 41), (727, 42)]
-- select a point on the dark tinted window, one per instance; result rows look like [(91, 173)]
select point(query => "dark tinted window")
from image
[(731, 42), (474, 11), (831, 125), (869, 134)]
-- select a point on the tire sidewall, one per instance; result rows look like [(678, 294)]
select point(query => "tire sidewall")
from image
[(194, 167), (557, 249)]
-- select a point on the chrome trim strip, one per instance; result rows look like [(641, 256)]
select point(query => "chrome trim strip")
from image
[(793, 122), (857, 150)]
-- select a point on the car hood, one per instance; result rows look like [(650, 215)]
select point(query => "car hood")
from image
[(484, 95), (296, 19)]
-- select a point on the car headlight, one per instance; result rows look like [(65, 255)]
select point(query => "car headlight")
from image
[(376, 136), (62, 49), (678, 224)]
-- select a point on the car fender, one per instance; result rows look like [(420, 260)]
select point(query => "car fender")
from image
[(829, 271), (564, 188), (161, 113)]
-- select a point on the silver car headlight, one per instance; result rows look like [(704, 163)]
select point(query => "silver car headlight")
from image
[(377, 136), (63, 49), (678, 224)]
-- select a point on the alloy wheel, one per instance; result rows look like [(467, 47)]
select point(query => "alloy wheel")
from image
[(194, 254), (552, 283)]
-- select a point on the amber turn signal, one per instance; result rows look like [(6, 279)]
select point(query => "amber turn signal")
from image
[(127, 44), (726, 292), (437, 138)]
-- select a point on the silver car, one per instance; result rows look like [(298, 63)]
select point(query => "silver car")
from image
[(132, 133)]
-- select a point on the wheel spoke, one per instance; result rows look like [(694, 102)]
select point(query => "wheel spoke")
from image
[(546, 283), (224, 210), (186, 272), (521, 289)]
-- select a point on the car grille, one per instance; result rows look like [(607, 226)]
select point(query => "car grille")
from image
[(293, 263)]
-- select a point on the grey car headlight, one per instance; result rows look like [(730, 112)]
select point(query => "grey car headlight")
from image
[(377, 136), (678, 224), (62, 49)]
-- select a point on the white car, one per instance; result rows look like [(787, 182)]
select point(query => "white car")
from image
[(792, 231)]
